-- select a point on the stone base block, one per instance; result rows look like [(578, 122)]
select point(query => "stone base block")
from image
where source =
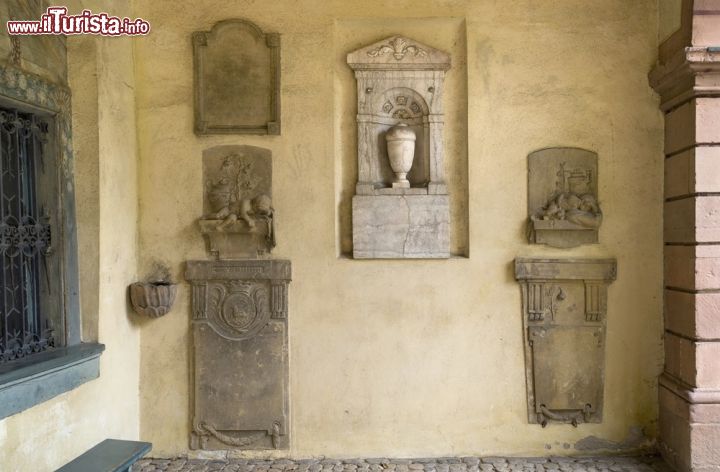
[(237, 240), (401, 226), (689, 426), (562, 234)]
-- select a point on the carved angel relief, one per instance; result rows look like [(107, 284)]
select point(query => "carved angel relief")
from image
[(238, 219)]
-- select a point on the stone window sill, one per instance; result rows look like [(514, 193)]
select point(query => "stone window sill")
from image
[(38, 378)]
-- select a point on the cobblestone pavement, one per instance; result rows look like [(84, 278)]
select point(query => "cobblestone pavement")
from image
[(465, 464)]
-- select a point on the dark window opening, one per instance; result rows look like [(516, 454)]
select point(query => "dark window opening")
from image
[(25, 237)]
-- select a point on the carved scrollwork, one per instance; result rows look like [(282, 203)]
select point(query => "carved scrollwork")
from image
[(28, 237), (573, 417), (21, 344), (398, 47), (237, 310), (206, 431)]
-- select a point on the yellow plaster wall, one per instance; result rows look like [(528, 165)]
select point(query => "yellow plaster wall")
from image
[(48, 435), (416, 358), (668, 18)]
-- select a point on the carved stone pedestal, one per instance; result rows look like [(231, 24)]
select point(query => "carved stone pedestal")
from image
[(241, 355), (564, 311)]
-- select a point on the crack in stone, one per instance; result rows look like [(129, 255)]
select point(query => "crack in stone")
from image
[(407, 234)]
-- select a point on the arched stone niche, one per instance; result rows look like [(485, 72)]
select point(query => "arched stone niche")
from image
[(400, 81), (400, 105)]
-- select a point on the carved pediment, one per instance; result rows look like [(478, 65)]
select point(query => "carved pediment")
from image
[(398, 52)]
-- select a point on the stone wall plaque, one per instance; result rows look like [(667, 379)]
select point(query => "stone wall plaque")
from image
[(401, 207), (237, 205), (239, 319), (564, 317), (237, 79), (563, 208)]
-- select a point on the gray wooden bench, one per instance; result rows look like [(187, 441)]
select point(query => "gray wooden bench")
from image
[(111, 455)]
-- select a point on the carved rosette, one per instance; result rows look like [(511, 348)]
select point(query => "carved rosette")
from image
[(239, 310), (564, 312)]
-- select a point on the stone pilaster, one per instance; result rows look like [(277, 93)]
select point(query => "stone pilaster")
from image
[(688, 81)]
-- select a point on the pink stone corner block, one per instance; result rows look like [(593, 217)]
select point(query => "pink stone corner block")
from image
[(693, 315), (695, 219), (695, 170)]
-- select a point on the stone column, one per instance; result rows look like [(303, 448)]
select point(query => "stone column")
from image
[(688, 80)]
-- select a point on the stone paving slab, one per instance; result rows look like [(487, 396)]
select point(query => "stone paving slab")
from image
[(646, 463)]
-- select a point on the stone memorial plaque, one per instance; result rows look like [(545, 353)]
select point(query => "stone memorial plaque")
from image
[(401, 207), (237, 79), (563, 207), (241, 354), (564, 313)]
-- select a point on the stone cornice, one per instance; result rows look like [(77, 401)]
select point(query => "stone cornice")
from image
[(692, 72), (689, 393)]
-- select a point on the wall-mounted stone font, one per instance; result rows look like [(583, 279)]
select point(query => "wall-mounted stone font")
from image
[(237, 79), (563, 203), (401, 204), (564, 316)]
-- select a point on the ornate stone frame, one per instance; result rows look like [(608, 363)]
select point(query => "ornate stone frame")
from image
[(32, 380), (200, 42)]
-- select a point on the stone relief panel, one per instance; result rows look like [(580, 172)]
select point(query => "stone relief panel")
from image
[(564, 307), (237, 79), (239, 320), (563, 206), (237, 203), (400, 151)]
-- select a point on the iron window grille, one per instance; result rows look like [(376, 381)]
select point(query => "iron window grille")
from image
[(25, 237)]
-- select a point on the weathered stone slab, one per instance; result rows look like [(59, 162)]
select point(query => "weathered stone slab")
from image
[(564, 316), (237, 79), (563, 208), (240, 354), (407, 226)]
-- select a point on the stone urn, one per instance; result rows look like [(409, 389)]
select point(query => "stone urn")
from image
[(153, 299), (401, 150)]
